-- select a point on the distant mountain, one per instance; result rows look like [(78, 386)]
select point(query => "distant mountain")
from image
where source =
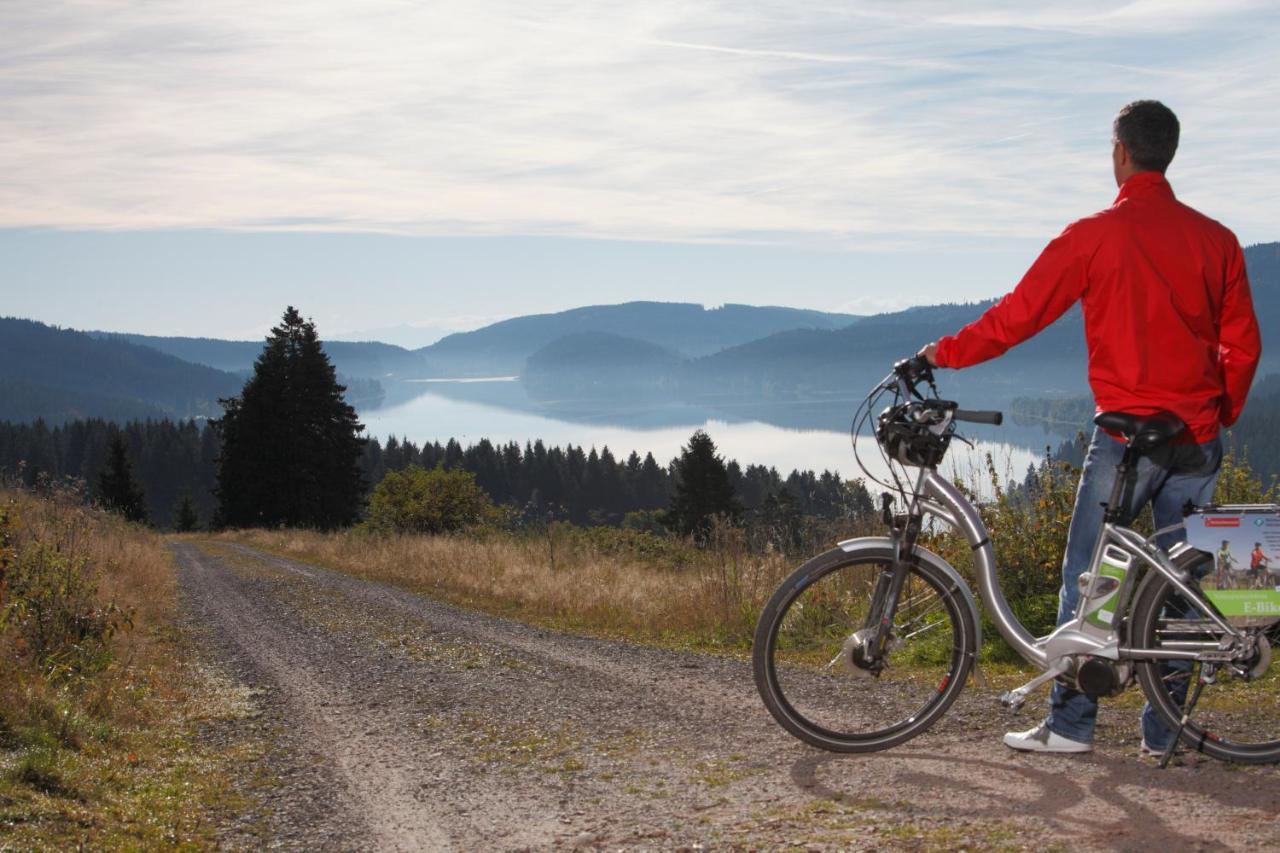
[(599, 364), (808, 365), (721, 357), (60, 373), (685, 329), (357, 360), (804, 364)]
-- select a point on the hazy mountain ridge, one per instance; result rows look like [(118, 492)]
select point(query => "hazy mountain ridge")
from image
[(687, 329), (805, 363), (650, 347), (354, 359)]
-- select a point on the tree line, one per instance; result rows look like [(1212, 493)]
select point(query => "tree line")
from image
[(173, 460)]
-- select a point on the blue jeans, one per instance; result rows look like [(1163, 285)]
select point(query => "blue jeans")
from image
[(1167, 478)]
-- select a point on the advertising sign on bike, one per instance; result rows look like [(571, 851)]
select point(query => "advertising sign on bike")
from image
[(1245, 544)]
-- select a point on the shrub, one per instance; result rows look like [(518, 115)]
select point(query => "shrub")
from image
[(1238, 484), (49, 599), (418, 500)]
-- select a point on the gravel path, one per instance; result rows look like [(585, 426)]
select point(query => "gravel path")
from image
[(392, 722)]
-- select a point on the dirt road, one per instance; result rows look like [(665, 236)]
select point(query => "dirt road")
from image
[(391, 722)]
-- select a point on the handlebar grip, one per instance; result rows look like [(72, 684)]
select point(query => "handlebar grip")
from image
[(993, 418)]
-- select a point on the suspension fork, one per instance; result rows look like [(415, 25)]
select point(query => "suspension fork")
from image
[(904, 531)]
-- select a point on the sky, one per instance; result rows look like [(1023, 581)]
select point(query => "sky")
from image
[(191, 168)]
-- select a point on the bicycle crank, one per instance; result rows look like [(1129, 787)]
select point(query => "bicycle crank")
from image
[(1016, 698)]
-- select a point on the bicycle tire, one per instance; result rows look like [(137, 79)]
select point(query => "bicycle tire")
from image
[(1236, 719), (840, 710)]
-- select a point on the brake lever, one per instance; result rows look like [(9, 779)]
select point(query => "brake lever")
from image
[(915, 370)]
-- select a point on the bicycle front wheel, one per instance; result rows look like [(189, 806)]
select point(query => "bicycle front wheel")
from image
[(1237, 715), (806, 652)]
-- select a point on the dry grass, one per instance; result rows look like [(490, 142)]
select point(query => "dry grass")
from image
[(98, 738), (589, 582)]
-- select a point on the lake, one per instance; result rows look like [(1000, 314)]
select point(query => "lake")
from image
[(803, 434)]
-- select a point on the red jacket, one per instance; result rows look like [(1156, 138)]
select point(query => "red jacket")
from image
[(1168, 317)]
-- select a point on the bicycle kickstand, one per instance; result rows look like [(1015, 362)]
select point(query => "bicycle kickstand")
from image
[(1205, 678)]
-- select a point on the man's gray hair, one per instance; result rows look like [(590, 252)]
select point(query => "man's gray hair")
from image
[(1149, 132)]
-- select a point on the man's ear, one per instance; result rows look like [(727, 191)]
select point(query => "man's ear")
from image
[(1121, 164), (1121, 155)]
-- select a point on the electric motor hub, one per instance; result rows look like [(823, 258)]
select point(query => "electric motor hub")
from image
[(1102, 677)]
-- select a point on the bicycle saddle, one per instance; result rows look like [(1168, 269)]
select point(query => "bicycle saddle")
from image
[(1144, 432)]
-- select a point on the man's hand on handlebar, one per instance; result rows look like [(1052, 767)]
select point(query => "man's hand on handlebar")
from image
[(929, 352)]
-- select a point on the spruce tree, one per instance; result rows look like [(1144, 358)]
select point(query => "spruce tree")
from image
[(117, 490), (291, 445), (702, 489), (185, 517)]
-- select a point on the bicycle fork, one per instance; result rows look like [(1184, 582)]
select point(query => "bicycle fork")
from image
[(904, 530)]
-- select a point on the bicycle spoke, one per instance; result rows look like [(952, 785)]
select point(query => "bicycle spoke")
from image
[(1237, 713), (920, 674)]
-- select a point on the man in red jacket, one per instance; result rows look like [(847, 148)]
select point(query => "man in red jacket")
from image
[(1169, 324)]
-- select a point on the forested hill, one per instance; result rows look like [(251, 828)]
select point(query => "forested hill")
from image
[(596, 362), (61, 374), (1263, 261), (686, 329), (808, 362), (364, 359)]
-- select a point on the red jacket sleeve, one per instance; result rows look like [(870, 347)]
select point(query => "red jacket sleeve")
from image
[(1239, 341), (1052, 285)]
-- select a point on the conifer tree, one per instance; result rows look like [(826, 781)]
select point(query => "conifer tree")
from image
[(702, 489), (185, 517), (291, 445), (117, 490)]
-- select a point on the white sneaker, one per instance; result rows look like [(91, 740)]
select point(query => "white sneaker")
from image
[(1040, 739), (1150, 752)]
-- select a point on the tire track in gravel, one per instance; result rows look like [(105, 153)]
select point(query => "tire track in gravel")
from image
[(403, 723), (298, 665)]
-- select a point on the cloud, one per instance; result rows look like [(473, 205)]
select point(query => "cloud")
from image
[(857, 124)]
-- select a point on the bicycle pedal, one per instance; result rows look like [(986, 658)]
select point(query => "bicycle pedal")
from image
[(1013, 700)]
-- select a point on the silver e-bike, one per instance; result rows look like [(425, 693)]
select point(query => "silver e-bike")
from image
[(867, 645)]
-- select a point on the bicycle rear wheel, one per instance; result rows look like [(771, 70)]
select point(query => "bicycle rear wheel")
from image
[(803, 650), (1237, 716)]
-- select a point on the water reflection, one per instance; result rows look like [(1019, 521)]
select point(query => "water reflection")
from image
[(806, 434)]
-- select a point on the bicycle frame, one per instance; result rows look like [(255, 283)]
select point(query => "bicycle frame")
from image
[(1142, 614), (936, 496)]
